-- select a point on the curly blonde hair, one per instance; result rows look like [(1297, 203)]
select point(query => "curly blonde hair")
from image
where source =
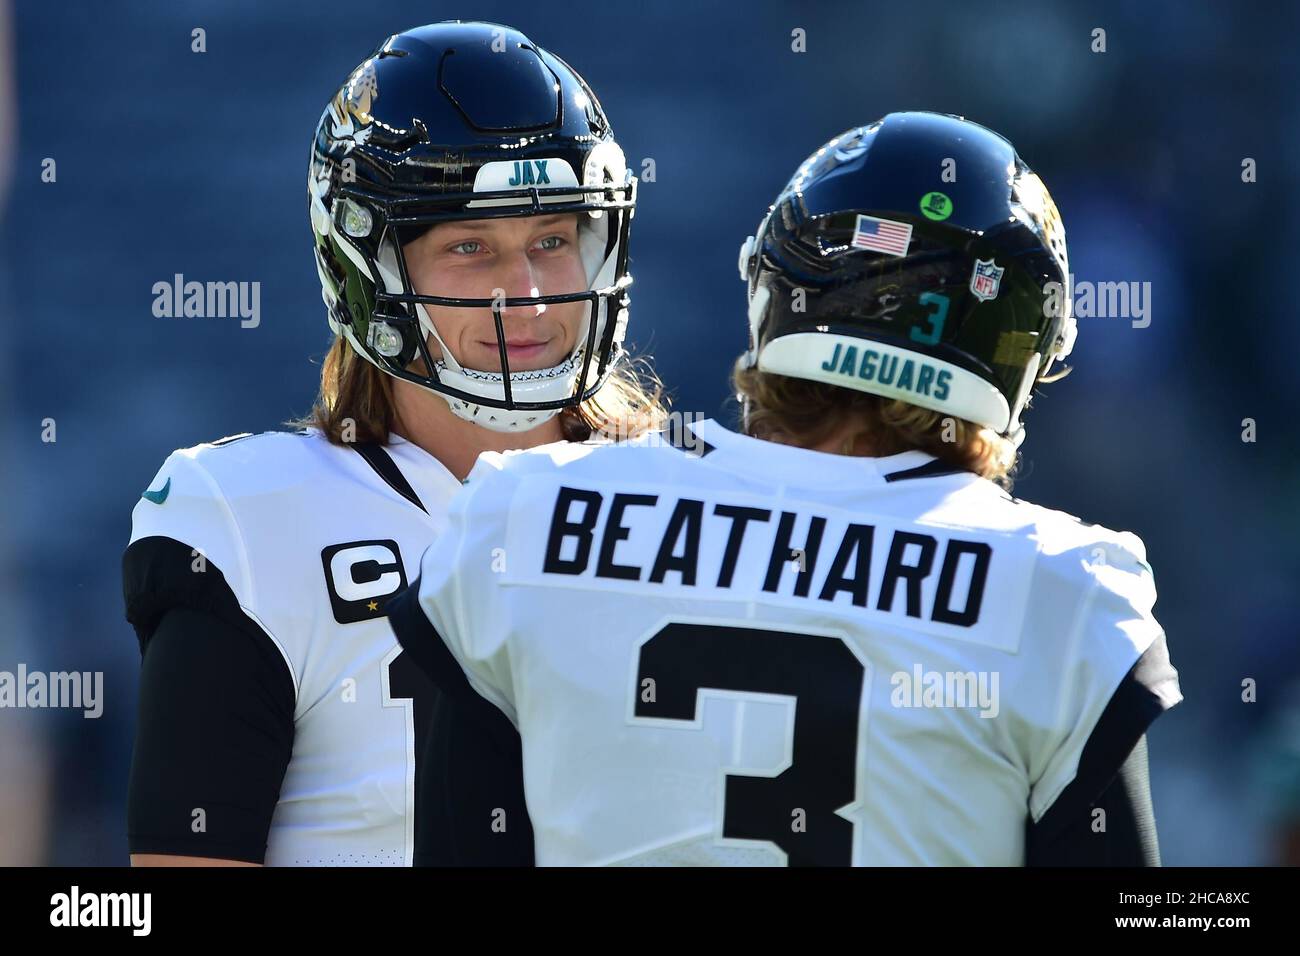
[(356, 398), (798, 411)]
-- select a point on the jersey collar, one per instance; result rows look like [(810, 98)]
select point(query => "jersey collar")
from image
[(427, 475), (802, 466)]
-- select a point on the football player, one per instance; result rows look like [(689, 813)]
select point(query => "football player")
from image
[(471, 212), (833, 638)]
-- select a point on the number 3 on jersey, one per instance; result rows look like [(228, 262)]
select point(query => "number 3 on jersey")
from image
[(796, 809)]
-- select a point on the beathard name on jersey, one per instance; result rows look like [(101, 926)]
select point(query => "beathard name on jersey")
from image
[(739, 549)]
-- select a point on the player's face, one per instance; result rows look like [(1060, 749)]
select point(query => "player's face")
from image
[(488, 258)]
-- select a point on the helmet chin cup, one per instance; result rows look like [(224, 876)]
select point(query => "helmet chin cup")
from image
[(531, 386), (500, 419)]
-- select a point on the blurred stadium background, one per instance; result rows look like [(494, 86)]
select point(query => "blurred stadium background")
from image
[(170, 161)]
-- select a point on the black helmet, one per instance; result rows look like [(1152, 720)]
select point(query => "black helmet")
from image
[(917, 258), (457, 121)]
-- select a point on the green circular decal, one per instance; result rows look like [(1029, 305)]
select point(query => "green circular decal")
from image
[(936, 206)]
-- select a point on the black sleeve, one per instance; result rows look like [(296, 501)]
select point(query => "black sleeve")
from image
[(1129, 837), (470, 802), (214, 730), (1112, 777), (416, 634)]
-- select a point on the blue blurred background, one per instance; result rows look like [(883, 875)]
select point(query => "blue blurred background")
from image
[(170, 161)]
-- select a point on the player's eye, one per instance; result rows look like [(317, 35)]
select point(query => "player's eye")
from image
[(467, 248), (553, 242)]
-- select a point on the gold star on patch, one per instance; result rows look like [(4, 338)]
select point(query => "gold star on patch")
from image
[(373, 606)]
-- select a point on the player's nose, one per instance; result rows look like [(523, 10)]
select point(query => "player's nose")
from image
[(518, 279)]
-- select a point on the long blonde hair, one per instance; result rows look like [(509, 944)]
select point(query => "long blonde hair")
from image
[(798, 411), (355, 402)]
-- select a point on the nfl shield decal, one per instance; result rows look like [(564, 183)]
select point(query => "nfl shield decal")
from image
[(986, 279)]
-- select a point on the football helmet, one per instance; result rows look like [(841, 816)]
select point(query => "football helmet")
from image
[(457, 121), (917, 258)]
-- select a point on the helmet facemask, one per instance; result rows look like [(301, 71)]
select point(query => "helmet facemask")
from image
[(395, 336)]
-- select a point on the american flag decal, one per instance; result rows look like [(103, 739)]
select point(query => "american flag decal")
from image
[(882, 235)]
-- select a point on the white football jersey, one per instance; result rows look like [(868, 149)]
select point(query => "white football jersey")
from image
[(312, 538), (756, 654)]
